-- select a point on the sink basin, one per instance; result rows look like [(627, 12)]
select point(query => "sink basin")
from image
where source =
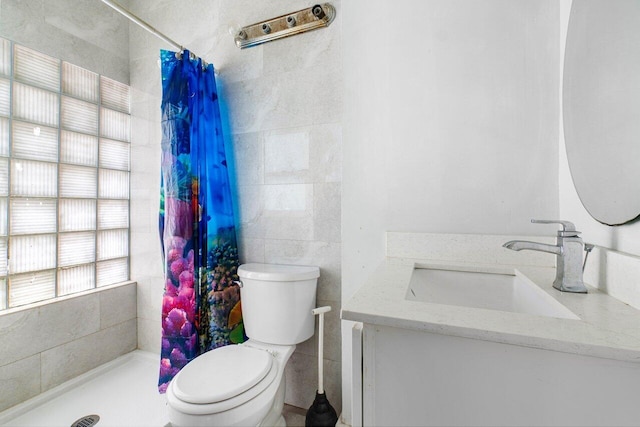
[(505, 291)]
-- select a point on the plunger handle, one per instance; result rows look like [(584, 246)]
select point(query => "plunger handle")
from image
[(320, 311)]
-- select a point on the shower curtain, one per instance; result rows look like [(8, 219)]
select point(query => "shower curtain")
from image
[(201, 303)]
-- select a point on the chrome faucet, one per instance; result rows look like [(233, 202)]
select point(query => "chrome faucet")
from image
[(568, 249)]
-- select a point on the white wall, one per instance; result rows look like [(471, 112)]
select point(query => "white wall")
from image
[(450, 119), (450, 124), (624, 238)]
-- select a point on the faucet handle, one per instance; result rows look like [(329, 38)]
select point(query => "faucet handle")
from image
[(568, 228)]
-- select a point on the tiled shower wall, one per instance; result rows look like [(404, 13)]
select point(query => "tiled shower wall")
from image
[(282, 106)]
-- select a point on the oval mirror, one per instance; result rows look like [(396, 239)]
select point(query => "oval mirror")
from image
[(601, 107)]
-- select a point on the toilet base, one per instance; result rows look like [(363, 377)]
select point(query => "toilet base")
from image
[(278, 422), (274, 418)]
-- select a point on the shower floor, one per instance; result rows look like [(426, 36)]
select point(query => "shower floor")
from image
[(122, 392)]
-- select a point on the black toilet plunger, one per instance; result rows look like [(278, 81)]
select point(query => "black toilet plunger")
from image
[(321, 413)]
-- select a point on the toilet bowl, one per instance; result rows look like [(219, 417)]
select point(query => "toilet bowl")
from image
[(219, 398), (244, 385)]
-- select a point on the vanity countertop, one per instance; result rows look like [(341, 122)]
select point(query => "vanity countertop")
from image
[(607, 328)]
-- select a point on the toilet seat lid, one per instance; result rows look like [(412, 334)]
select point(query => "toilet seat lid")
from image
[(221, 374)]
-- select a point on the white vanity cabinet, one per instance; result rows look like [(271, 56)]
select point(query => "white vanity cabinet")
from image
[(416, 378)]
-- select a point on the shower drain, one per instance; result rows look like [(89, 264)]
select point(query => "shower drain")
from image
[(87, 421)]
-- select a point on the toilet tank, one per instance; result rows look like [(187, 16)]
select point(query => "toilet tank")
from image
[(277, 301)]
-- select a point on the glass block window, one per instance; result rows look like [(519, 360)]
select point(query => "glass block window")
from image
[(64, 178)]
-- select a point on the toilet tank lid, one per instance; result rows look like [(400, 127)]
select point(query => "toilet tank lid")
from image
[(278, 272)]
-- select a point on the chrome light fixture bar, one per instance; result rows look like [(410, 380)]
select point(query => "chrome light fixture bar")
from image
[(312, 18)]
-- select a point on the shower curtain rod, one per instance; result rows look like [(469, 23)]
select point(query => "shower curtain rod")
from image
[(133, 18)]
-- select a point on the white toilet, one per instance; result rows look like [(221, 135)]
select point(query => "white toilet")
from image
[(243, 385)]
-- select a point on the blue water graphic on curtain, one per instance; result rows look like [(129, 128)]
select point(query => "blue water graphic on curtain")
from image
[(201, 303)]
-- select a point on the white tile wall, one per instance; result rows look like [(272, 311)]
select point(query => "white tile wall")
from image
[(19, 381), (118, 303), (64, 362), (248, 151), (27, 332), (88, 34), (286, 157), (312, 154), (288, 199), (326, 255)]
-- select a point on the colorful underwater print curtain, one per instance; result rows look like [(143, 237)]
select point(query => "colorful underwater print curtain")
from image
[(201, 303)]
